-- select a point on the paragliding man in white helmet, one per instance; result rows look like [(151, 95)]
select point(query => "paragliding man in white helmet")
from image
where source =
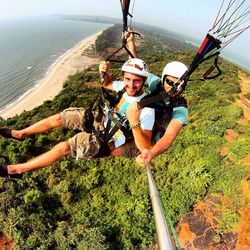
[(171, 114), (91, 145)]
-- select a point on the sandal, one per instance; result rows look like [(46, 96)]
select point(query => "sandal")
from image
[(4, 173), (6, 133)]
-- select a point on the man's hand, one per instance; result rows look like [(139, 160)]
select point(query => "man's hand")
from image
[(104, 67), (130, 39), (144, 158), (130, 35), (106, 78)]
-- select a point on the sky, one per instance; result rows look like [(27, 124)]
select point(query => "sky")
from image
[(190, 17)]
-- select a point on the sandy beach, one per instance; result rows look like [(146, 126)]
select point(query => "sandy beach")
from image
[(52, 84)]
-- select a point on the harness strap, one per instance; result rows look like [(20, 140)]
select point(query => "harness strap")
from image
[(118, 124), (99, 103), (150, 100), (106, 131), (207, 75), (125, 13)]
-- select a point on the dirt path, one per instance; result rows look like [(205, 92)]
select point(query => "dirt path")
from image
[(243, 101), (244, 228), (6, 243)]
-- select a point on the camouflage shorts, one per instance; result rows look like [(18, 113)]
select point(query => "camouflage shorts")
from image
[(84, 146), (73, 118)]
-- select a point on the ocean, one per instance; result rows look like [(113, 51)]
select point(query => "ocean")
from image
[(29, 47)]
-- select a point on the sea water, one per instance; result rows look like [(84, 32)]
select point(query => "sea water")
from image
[(28, 48)]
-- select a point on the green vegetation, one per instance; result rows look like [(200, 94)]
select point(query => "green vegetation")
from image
[(104, 203)]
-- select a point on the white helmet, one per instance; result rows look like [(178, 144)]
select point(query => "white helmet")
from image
[(175, 69), (136, 66)]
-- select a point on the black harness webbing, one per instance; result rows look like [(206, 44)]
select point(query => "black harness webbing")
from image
[(119, 124), (152, 99)]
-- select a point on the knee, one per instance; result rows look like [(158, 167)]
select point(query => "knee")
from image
[(56, 120), (63, 148)]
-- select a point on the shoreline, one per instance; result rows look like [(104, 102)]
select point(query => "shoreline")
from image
[(67, 64)]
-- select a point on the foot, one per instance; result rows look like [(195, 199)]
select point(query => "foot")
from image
[(4, 173), (6, 133)]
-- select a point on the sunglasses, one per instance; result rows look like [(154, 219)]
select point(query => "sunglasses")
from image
[(169, 82)]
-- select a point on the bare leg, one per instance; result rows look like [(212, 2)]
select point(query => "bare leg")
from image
[(46, 124), (60, 150)]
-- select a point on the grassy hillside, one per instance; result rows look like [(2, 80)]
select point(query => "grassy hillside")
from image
[(104, 203)]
